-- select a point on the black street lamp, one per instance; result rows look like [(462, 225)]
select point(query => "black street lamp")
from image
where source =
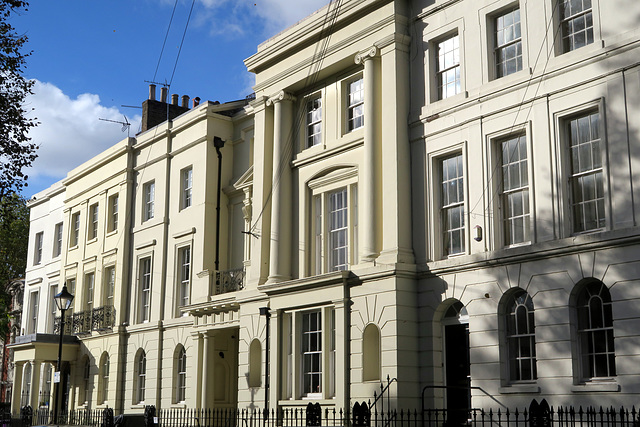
[(63, 301)]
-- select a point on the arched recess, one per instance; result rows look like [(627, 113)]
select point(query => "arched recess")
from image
[(255, 363), (517, 336), (592, 330), (179, 374), (103, 378), (139, 377), (371, 353)]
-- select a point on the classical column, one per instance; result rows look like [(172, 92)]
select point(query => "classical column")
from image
[(16, 392), (205, 371), (34, 394), (367, 180), (280, 246)]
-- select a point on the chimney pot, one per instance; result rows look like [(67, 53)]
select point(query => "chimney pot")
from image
[(185, 101), (163, 94), (196, 101), (174, 99), (152, 92)]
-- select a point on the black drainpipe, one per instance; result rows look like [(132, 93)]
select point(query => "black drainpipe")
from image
[(218, 143)]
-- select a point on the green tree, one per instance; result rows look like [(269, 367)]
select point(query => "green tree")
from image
[(17, 152), (14, 241)]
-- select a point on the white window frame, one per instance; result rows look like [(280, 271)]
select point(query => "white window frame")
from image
[(75, 230), (186, 187), (567, 37), (504, 221), (319, 220), (89, 291), (112, 213), (148, 202), (71, 287), (34, 303), (502, 45), (313, 113), (567, 198), (141, 377), (109, 285), (86, 380), (93, 225), (181, 375), (104, 378), (354, 103), (184, 264), (145, 279), (57, 243), (442, 67), (37, 252), (53, 309), (445, 206), (517, 302)]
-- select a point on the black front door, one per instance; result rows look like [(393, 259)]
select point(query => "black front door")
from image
[(457, 374)]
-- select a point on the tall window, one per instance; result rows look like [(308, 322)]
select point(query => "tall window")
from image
[(335, 229), (149, 191), (53, 290), (586, 173), (314, 121), (520, 336), (508, 51), (109, 285), (86, 378), (93, 225), (141, 376), (181, 375), (448, 67), (184, 255), (104, 378), (576, 22), (186, 187), (75, 229), (34, 300), (89, 284), (71, 286), (144, 279), (311, 353), (57, 243), (112, 221), (515, 190), (453, 205), (355, 104), (595, 331), (37, 254)]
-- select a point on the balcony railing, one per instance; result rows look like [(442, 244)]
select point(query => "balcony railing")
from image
[(229, 281), (83, 322)]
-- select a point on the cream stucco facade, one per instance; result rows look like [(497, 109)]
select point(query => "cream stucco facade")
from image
[(442, 192)]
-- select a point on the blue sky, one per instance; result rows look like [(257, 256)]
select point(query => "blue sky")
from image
[(91, 58)]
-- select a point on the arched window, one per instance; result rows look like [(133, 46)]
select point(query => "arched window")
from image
[(255, 363), (595, 331), (520, 336), (141, 375), (26, 385), (371, 353), (181, 375), (104, 378), (86, 376)]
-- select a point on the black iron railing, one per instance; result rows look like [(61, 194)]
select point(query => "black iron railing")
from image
[(229, 281), (83, 322)]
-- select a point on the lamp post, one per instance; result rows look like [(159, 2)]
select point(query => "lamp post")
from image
[(63, 301)]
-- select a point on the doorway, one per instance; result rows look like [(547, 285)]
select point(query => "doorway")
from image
[(457, 364)]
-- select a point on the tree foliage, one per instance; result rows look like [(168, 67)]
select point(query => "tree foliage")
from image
[(16, 149), (14, 242)]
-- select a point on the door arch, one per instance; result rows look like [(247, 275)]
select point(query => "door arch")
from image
[(457, 378)]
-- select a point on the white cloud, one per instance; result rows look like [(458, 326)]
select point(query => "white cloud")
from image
[(272, 16), (70, 131)]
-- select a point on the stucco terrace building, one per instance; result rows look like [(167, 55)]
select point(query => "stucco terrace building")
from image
[(442, 192)]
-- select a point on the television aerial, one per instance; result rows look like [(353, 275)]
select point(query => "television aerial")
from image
[(125, 125)]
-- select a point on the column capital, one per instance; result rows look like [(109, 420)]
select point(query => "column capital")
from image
[(366, 55), (280, 96)]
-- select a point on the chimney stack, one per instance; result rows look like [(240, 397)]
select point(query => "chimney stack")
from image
[(174, 99), (196, 101), (152, 92), (163, 94), (185, 101)]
